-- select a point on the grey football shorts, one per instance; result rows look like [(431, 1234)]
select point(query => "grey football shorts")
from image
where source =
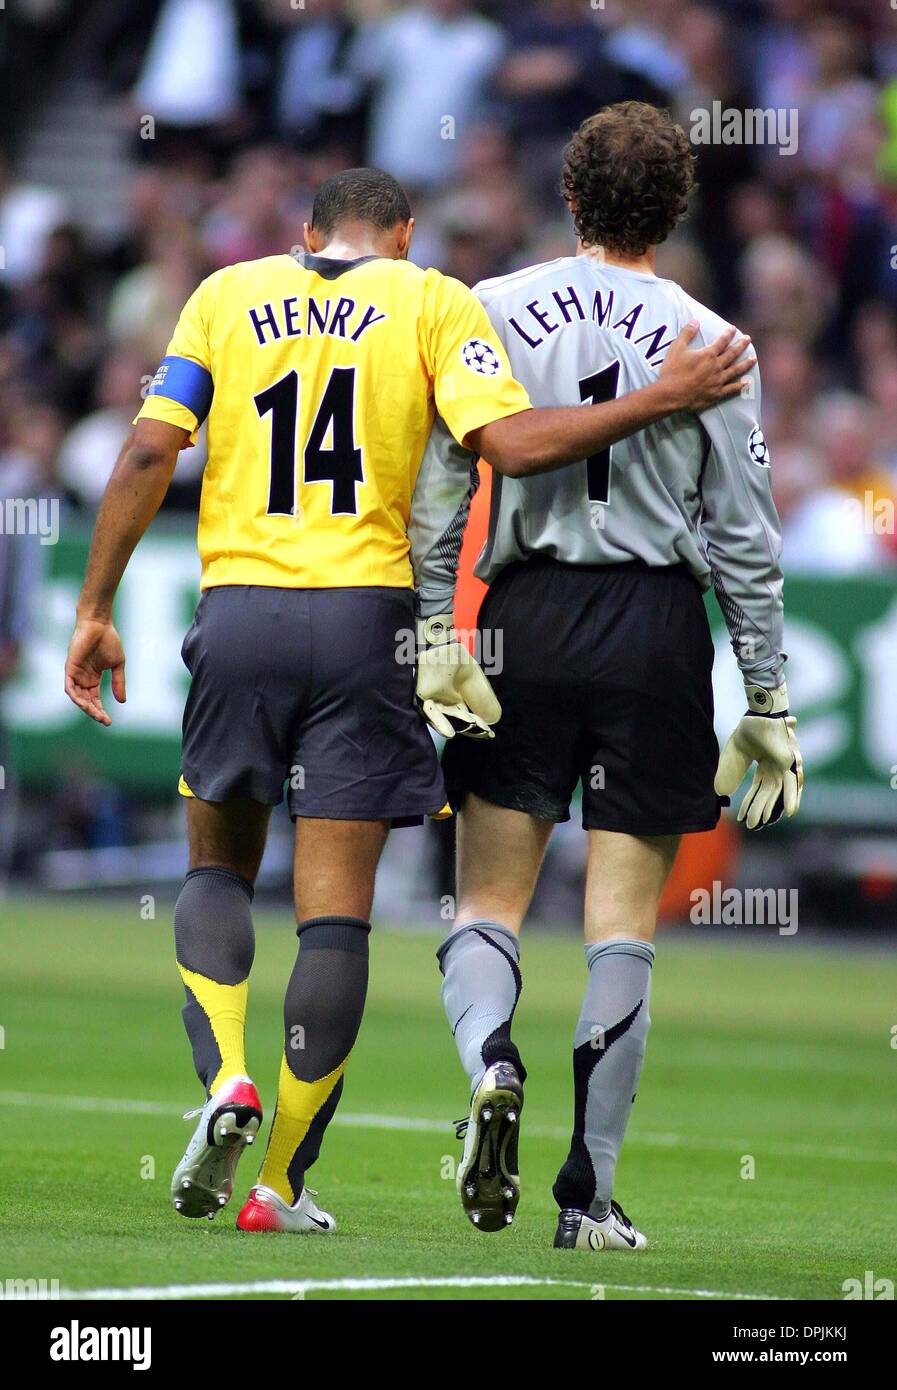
[(301, 690)]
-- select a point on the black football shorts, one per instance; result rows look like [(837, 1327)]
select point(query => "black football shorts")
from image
[(604, 680), (302, 690)]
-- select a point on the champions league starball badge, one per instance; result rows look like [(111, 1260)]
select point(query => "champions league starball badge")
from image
[(480, 357), (758, 448)]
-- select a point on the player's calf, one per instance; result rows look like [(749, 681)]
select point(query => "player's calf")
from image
[(481, 987)]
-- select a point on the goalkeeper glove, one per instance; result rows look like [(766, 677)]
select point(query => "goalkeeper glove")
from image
[(452, 691), (764, 736)]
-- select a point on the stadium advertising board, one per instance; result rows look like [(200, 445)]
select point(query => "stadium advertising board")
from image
[(841, 636)]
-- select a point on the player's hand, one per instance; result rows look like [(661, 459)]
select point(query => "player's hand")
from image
[(453, 692), (765, 736), (95, 647), (698, 378)]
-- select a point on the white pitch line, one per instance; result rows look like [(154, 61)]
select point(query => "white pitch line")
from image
[(96, 1105), (111, 1105), (158, 1293), (400, 1122)]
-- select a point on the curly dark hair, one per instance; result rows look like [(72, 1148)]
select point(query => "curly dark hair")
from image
[(627, 175)]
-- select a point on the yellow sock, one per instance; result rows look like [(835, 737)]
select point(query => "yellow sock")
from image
[(297, 1104), (225, 1008)]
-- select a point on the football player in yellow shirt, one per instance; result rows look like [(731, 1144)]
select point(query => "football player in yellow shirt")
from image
[(319, 374)]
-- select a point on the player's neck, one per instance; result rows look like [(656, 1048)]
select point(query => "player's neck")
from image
[(645, 263), (353, 239), (348, 249)]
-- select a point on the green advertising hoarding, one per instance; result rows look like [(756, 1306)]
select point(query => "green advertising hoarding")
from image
[(841, 637)]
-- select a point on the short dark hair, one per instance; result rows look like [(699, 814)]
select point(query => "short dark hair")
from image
[(360, 195), (627, 175)]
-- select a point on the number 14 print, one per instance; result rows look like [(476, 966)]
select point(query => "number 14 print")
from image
[(340, 464)]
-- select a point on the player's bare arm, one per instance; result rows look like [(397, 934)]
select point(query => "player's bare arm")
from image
[(133, 495), (539, 441)]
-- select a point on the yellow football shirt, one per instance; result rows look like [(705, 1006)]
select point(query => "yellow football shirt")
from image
[(320, 380)]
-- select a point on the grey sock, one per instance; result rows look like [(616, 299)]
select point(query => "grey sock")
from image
[(213, 937), (608, 1051), (480, 963), (322, 1014), (213, 931)]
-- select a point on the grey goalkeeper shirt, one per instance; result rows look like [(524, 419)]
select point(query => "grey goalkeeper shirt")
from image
[(688, 490)]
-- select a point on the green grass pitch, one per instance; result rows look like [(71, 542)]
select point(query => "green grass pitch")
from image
[(779, 1053)]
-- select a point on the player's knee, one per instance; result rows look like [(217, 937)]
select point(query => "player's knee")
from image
[(207, 858)]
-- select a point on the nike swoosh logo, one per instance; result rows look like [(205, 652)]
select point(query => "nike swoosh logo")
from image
[(460, 1020), (630, 1240), (323, 1224)]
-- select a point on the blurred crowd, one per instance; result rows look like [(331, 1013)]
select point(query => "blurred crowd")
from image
[(225, 115), (234, 110)]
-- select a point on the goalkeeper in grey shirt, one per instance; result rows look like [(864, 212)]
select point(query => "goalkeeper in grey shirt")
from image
[(603, 659)]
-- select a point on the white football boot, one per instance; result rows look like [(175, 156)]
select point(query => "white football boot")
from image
[(264, 1210), (488, 1180), (229, 1121), (577, 1231)]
